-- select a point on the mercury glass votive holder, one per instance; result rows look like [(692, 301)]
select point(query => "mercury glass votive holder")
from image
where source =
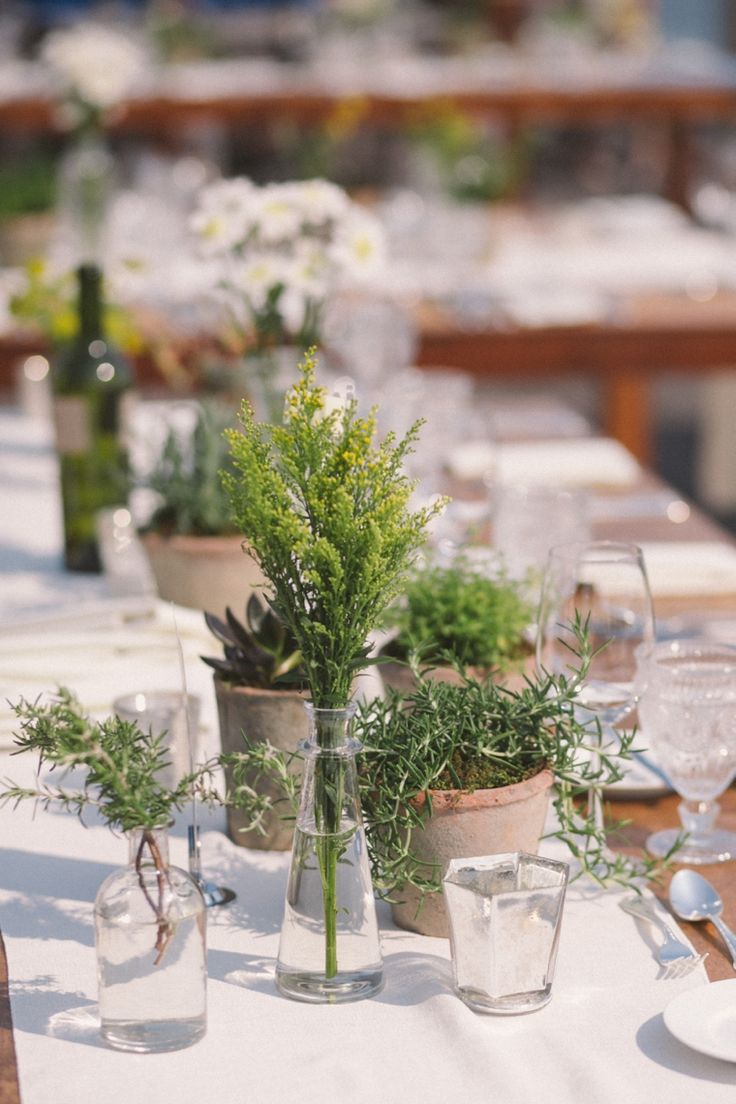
[(505, 913)]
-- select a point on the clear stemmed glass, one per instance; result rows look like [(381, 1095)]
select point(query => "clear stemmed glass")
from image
[(605, 584), (687, 710)]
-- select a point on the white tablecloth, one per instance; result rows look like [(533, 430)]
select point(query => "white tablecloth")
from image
[(602, 1038)]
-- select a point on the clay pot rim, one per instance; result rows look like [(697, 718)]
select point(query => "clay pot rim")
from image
[(223, 686), (186, 542), (450, 801)]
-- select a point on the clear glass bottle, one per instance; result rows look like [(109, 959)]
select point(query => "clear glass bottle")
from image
[(91, 382), (329, 949), (85, 187), (150, 930)]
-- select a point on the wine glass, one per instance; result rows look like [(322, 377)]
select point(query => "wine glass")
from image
[(605, 585), (687, 710)]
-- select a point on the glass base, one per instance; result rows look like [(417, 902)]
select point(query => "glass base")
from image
[(152, 1036), (317, 989), (512, 1005), (713, 847), (215, 895)]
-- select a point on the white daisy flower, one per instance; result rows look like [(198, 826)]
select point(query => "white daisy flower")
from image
[(320, 201), (359, 248), (257, 276), (277, 217), (99, 64), (224, 216)]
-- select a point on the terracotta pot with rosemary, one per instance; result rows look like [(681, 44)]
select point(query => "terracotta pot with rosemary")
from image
[(452, 770), (325, 511), (149, 916)]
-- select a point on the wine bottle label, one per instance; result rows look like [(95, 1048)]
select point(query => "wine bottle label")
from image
[(72, 425)]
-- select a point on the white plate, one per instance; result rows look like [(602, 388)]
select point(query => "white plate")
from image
[(705, 1019)]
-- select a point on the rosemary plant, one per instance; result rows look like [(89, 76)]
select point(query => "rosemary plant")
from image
[(326, 513), (479, 735), (121, 764)]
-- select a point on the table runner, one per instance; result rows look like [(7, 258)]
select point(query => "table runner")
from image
[(601, 1039)]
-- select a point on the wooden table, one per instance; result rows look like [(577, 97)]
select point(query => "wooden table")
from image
[(304, 97), (623, 355), (9, 1089), (649, 816)]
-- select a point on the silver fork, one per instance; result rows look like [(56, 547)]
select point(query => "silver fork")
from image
[(675, 957)]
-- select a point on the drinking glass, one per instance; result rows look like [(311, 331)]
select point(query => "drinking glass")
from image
[(164, 712), (687, 711), (605, 584), (528, 520)]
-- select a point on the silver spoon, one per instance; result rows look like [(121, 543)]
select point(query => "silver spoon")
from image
[(693, 898)]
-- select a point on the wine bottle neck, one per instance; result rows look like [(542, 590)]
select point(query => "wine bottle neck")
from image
[(90, 302)]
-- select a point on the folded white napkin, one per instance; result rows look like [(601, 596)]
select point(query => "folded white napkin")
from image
[(592, 462), (690, 567)]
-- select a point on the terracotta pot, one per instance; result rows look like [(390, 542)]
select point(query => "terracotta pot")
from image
[(206, 573), (399, 677), (462, 825), (278, 716)]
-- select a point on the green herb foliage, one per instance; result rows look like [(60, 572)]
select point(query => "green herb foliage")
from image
[(120, 761), (479, 735), (325, 512), (188, 480), (457, 611)]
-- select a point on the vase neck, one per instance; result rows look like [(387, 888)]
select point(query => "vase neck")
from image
[(330, 729), (148, 847)]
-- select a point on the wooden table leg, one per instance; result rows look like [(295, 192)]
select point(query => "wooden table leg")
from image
[(626, 412), (9, 1089)]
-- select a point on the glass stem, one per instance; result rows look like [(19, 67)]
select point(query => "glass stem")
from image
[(698, 817)]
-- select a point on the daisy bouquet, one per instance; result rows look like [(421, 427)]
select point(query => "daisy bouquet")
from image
[(278, 251)]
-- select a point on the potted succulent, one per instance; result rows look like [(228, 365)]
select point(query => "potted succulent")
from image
[(149, 916), (454, 770), (325, 509), (192, 543), (258, 700), (457, 614)]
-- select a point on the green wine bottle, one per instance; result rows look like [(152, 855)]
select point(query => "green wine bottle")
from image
[(91, 382)]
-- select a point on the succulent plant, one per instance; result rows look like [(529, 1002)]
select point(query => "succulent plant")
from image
[(260, 652)]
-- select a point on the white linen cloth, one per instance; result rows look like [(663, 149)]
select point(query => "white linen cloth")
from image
[(560, 462), (600, 1040), (690, 567), (578, 462)]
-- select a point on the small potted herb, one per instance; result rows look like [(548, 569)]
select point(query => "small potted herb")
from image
[(457, 614), (149, 916), (456, 770), (190, 538), (259, 700)]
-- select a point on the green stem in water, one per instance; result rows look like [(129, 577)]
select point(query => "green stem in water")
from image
[(329, 789)]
